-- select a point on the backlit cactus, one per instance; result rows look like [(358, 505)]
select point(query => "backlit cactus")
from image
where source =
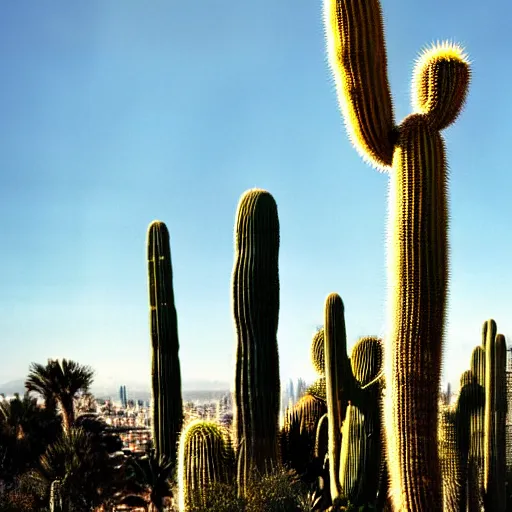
[(255, 286), (206, 457), (417, 247), (167, 412)]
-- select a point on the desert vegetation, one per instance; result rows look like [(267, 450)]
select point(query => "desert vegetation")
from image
[(372, 432)]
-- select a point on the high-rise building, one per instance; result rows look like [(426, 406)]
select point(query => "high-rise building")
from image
[(122, 396)]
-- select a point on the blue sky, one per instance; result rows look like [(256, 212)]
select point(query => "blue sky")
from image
[(117, 113)]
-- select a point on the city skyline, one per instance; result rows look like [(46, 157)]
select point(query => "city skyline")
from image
[(116, 114)]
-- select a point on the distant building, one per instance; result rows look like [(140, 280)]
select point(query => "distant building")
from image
[(122, 396)]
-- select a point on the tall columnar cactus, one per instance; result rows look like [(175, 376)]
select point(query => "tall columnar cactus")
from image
[(166, 376), (56, 496), (413, 152), (255, 287), (495, 412), (477, 421), (205, 458), (353, 407)]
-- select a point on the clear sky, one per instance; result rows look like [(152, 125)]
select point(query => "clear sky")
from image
[(115, 113)]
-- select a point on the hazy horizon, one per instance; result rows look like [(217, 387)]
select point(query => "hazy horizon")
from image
[(119, 113)]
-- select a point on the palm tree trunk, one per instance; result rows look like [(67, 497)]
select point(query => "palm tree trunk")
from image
[(68, 413)]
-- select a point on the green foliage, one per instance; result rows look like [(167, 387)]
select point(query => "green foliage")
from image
[(60, 382), (277, 491), (25, 432), (88, 475), (151, 475)]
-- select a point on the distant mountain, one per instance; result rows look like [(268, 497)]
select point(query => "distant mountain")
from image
[(13, 386)]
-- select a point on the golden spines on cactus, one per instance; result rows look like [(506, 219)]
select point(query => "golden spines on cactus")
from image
[(317, 352), (366, 359), (357, 56), (418, 241), (417, 273), (451, 463), (440, 84)]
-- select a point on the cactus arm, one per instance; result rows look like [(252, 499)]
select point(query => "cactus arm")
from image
[(440, 84), (335, 352), (353, 456), (357, 57), (490, 407)]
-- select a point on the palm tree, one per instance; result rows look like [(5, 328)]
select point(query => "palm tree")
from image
[(60, 382), (151, 477), (25, 432), (89, 476)]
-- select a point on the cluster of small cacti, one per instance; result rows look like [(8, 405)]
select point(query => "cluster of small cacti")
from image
[(371, 431), (473, 440), (334, 435)]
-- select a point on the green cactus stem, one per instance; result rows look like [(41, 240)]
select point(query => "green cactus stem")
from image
[(413, 153), (337, 368), (167, 412), (495, 412), (255, 286)]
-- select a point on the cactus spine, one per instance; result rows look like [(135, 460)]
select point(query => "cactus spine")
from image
[(56, 496), (205, 457), (255, 287), (417, 248), (166, 376)]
